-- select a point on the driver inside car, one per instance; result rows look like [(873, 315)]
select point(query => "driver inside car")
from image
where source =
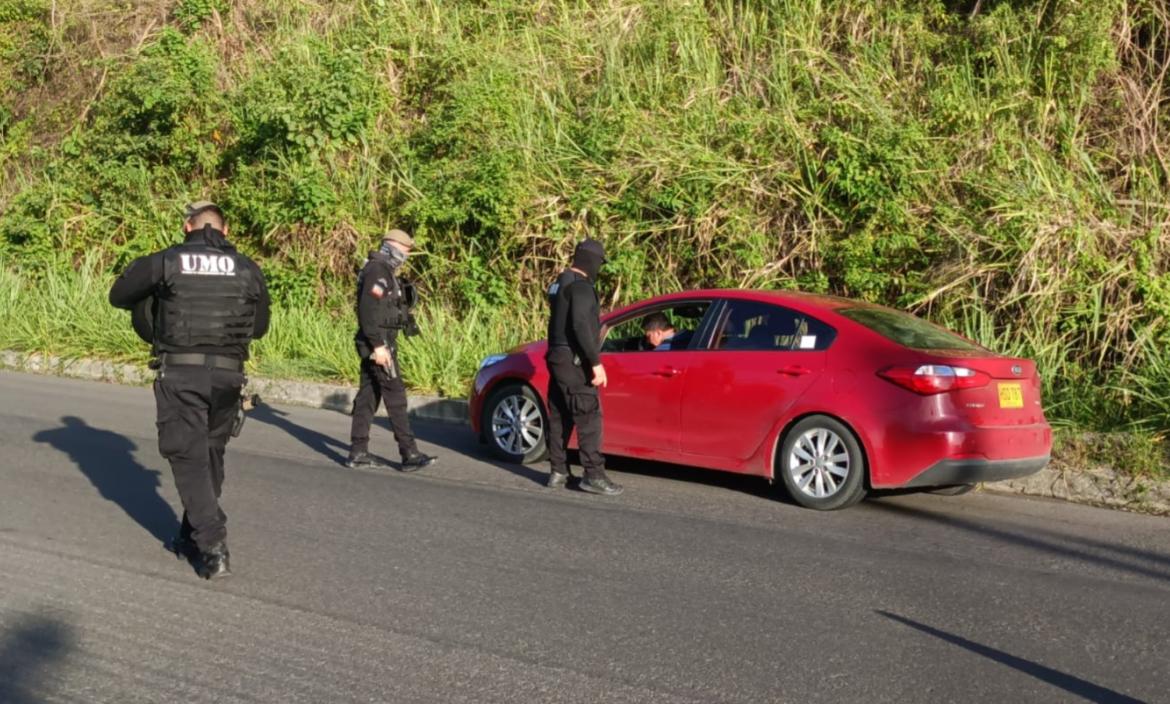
[(660, 334)]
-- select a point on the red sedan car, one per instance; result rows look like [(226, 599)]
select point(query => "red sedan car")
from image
[(827, 395)]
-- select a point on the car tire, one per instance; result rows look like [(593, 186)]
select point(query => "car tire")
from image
[(953, 490), (821, 464), (512, 439)]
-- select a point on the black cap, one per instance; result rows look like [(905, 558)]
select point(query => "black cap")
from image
[(591, 246)]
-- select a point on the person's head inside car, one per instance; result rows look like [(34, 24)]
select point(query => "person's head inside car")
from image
[(658, 331)]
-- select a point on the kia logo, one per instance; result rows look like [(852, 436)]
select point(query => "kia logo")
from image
[(1017, 370)]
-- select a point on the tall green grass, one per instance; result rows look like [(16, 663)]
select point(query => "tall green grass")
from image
[(67, 314)]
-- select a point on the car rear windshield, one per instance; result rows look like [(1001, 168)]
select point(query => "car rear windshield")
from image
[(907, 330)]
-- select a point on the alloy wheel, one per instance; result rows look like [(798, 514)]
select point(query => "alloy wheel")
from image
[(818, 463), (517, 425)]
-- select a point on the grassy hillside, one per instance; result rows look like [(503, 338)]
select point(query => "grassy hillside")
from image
[(996, 166)]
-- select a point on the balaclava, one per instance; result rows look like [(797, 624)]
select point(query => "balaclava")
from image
[(588, 257)]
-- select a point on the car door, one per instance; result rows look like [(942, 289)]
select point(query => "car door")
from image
[(762, 358), (641, 404)]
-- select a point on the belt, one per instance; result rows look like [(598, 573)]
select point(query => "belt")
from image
[(194, 359)]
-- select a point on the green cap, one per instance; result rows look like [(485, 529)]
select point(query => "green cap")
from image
[(192, 209), (398, 236)]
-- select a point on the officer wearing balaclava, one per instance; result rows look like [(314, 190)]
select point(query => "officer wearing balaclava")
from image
[(384, 302), (575, 371), (200, 304)]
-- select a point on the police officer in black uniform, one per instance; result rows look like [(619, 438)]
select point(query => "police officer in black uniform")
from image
[(209, 302), (575, 371), (384, 302)]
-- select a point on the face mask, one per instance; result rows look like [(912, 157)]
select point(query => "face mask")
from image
[(397, 256), (588, 262), (588, 256)]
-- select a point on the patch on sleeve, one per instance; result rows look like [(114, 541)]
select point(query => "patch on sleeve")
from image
[(379, 288)]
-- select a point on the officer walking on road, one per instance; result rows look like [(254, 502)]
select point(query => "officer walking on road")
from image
[(575, 371), (209, 302), (384, 303)]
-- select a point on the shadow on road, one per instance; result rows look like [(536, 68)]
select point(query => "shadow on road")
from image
[(330, 447), (27, 650), (458, 438), (1069, 683), (107, 460), (1157, 558), (749, 484), (1030, 539)]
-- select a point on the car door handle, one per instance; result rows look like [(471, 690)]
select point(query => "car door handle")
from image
[(794, 370), (667, 372)]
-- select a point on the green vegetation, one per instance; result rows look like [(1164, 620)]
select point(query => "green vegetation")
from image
[(998, 167), (66, 313)]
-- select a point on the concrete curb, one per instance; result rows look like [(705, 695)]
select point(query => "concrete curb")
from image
[(297, 393), (1099, 486)]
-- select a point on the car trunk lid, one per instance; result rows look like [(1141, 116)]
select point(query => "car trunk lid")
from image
[(1009, 392)]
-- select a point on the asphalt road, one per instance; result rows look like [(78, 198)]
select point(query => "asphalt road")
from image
[(470, 582)]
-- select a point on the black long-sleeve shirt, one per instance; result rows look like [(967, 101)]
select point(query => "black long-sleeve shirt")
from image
[(144, 276), (575, 319)]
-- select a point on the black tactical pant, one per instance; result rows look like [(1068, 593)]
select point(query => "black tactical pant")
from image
[(377, 385), (196, 409), (573, 401)]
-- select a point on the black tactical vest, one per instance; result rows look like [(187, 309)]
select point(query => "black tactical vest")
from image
[(208, 298), (392, 308)]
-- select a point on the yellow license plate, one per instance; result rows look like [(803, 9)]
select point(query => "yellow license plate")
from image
[(1011, 396)]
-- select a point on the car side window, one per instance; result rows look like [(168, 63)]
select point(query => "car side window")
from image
[(752, 325), (657, 330)]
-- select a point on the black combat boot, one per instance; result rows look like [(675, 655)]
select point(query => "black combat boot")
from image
[(416, 461), (602, 486), (363, 460), (183, 547), (215, 562)]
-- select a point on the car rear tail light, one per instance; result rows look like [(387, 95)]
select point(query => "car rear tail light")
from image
[(935, 378)]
